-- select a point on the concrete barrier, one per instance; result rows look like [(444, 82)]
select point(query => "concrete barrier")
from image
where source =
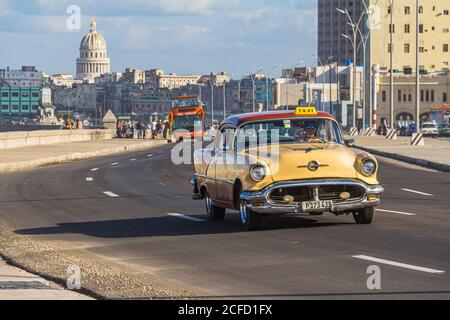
[(13, 140)]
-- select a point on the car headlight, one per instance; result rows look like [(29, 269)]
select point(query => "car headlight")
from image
[(369, 167), (258, 172)]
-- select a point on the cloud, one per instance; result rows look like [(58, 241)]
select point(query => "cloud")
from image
[(179, 35), (4, 8), (129, 7)]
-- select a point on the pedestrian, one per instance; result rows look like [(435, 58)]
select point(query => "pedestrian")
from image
[(139, 130)]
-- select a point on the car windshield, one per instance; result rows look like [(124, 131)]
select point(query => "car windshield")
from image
[(289, 131), (429, 126)]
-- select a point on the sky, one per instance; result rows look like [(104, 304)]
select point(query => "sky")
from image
[(181, 36)]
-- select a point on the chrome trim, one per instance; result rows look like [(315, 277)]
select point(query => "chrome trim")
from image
[(307, 166), (376, 167), (270, 208), (296, 209), (214, 179)]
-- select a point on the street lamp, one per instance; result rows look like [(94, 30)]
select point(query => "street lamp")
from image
[(253, 76), (212, 101), (224, 101), (319, 60), (364, 40), (267, 84), (292, 68), (417, 67), (355, 31)]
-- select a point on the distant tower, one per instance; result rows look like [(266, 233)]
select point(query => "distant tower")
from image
[(93, 60)]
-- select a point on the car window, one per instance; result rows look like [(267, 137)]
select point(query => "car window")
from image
[(285, 131), (224, 140)]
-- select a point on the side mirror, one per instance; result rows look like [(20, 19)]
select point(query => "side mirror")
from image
[(350, 143)]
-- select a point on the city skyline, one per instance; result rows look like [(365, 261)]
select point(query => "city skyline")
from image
[(240, 37)]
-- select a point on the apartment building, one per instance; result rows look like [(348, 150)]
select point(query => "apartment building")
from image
[(434, 29)]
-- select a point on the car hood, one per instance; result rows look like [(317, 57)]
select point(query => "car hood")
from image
[(290, 162)]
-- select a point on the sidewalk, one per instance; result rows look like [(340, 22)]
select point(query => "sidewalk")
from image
[(434, 155), (16, 284), (37, 156)]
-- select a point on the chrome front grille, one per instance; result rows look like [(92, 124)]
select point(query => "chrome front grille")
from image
[(306, 193)]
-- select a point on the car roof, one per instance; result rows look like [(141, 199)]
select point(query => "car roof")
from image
[(237, 120)]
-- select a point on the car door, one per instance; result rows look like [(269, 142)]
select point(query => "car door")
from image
[(223, 157)]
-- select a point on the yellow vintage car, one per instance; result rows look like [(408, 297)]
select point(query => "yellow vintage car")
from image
[(285, 163)]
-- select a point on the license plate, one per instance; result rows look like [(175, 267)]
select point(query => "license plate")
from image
[(317, 205)]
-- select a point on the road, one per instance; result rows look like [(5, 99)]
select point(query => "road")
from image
[(137, 209)]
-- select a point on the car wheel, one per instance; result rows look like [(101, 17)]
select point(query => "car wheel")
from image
[(214, 213), (364, 216), (250, 220)]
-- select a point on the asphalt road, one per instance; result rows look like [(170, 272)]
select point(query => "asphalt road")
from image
[(137, 209)]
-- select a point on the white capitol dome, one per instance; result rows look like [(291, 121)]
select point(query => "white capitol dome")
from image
[(93, 60)]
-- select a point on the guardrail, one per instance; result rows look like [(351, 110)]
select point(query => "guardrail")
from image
[(13, 140)]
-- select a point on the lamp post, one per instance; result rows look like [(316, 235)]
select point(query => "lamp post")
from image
[(267, 84), (355, 31), (212, 102), (391, 64), (253, 77), (417, 66), (224, 101), (364, 40), (299, 62), (319, 60)]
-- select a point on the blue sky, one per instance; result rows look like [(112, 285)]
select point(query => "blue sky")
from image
[(182, 36)]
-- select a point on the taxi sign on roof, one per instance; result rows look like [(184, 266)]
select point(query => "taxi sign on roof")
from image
[(306, 111)]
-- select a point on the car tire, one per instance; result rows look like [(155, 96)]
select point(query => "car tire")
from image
[(214, 213), (364, 216), (251, 221)]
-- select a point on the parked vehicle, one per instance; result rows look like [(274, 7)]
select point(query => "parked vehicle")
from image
[(412, 129), (444, 130), (430, 129)]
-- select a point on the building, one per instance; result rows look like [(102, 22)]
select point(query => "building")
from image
[(215, 79), (20, 101), (434, 31), (26, 77), (93, 60), (434, 40), (81, 98), (22, 92), (109, 78), (63, 80), (156, 78), (132, 75), (434, 93)]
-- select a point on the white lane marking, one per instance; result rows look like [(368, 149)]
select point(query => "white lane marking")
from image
[(110, 194), (133, 160), (418, 192), (182, 216), (397, 212), (400, 265), (115, 164), (150, 155), (89, 179), (95, 169)]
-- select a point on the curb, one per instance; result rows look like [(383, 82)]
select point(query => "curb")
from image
[(418, 162), (26, 165)]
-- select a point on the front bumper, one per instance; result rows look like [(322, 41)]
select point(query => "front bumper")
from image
[(260, 202)]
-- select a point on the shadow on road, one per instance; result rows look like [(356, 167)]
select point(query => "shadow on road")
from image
[(166, 227)]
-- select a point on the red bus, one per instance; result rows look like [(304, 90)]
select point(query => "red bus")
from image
[(186, 120)]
